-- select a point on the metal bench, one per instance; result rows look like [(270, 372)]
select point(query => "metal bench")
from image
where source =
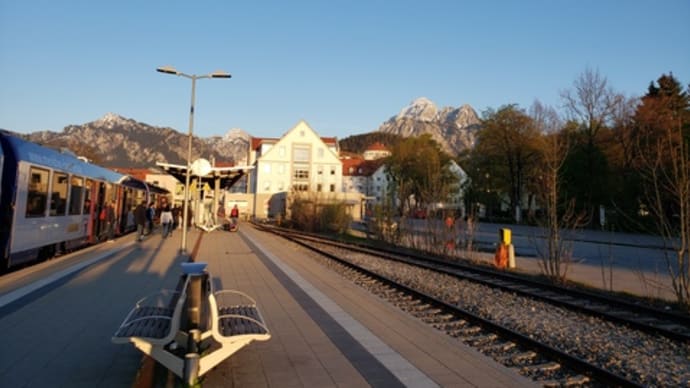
[(235, 322), (190, 344), (153, 325)]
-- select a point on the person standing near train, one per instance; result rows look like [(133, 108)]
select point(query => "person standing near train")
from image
[(107, 216), (140, 220)]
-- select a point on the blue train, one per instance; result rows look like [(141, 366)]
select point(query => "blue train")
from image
[(50, 201)]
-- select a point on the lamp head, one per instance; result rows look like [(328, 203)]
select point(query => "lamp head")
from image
[(167, 70), (220, 74)]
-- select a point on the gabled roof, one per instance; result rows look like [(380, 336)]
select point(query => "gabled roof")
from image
[(258, 141)]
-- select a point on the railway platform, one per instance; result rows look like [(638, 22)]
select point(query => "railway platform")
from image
[(57, 319)]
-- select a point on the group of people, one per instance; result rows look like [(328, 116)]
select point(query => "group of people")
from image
[(144, 215), (144, 219)]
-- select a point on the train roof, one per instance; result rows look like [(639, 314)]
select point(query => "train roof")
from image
[(19, 150)]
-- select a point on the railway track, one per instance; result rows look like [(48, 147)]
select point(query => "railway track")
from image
[(530, 356)]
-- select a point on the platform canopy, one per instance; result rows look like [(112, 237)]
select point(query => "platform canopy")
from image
[(227, 176)]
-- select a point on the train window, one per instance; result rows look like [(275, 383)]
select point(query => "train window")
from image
[(58, 197), (37, 195), (87, 196), (76, 192)]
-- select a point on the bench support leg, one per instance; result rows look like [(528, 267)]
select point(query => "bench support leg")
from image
[(160, 354), (210, 360), (191, 368)]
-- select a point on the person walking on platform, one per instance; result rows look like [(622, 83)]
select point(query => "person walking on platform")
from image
[(150, 214), (166, 221), (140, 220), (176, 216)]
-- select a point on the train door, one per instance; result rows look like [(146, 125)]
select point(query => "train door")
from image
[(106, 194), (126, 210), (90, 189)]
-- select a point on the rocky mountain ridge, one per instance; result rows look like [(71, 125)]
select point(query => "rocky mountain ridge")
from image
[(453, 128), (116, 141)]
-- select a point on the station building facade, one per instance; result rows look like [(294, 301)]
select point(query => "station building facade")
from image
[(299, 164)]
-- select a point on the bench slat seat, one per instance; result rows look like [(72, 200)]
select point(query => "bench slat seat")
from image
[(233, 325), (154, 319), (242, 319)]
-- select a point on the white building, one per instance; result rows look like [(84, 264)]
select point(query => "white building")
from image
[(299, 162)]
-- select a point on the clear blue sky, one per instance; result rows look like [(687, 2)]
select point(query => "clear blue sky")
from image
[(343, 66)]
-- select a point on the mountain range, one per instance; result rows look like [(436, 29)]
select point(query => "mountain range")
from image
[(116, 141)]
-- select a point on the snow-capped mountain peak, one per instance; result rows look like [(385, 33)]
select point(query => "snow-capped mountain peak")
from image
[(236, 133), (421, 109), (453, 128), (110, 119)]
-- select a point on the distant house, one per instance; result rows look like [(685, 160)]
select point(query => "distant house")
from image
[(299, 162), (376, 151)]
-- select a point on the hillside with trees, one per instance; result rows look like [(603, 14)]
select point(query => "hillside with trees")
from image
[(359, 143)]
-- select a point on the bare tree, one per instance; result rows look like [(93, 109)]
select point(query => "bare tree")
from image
[(664, 159), (560, 215), (592, 104)]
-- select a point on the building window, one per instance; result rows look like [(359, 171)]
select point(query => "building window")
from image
[(300, 187), (301, 173), (281, 169), (319, 170), (332, 188), (301, 153), (332, 170), (281, 151), (267, 186), (267, 168), (318, 187)]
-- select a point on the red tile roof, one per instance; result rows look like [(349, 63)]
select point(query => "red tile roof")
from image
[(360, 167)]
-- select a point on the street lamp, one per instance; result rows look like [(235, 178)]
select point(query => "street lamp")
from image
[(193, 77)]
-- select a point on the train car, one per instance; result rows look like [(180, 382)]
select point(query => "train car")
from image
[(50, 201)]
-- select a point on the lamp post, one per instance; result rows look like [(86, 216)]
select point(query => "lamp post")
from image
[(193, 77)]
